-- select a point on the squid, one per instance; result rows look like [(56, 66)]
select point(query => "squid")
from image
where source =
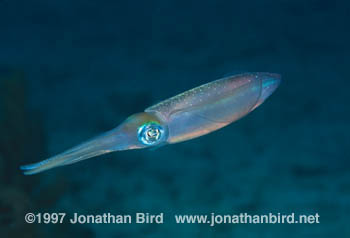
[(186, 116)]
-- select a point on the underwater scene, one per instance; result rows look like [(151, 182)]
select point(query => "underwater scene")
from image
[(112, 123)]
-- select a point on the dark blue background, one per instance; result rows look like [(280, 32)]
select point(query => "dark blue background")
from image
[(70, 70)]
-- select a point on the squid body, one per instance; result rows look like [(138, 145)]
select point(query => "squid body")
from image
[(188, 115)]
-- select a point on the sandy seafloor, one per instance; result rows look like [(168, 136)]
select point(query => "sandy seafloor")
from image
[(70, 70)]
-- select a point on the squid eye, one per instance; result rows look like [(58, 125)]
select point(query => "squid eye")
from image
[(150, 133)]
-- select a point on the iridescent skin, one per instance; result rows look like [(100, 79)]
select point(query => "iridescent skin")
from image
[(188, 115)]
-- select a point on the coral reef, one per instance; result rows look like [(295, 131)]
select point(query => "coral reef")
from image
[(22, 139)]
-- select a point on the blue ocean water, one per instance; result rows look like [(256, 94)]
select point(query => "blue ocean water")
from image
[(70, 70)]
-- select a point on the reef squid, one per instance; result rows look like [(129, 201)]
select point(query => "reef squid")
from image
[(188, 115)]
